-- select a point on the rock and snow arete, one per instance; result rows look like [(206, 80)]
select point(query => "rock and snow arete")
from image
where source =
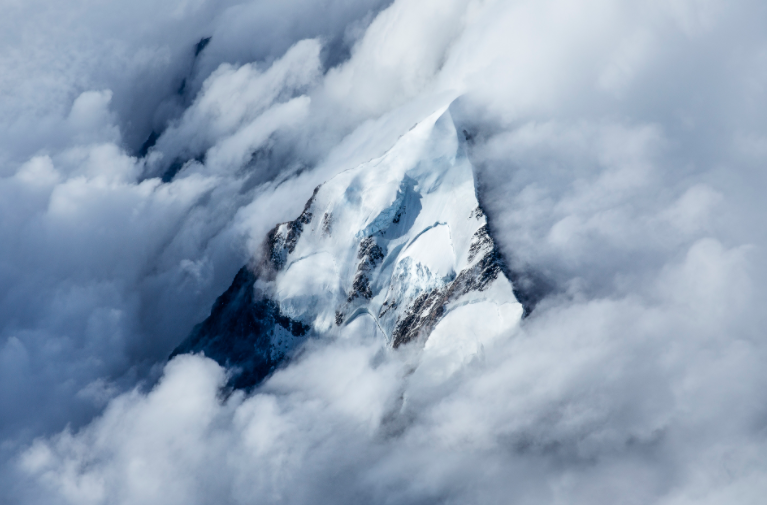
[(397, 248)]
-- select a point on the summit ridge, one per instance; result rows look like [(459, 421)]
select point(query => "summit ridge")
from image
[(397, 248)]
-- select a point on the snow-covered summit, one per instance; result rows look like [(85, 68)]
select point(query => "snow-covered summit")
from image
[(397, 248)]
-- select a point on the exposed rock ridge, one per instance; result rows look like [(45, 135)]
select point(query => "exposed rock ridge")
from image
[(370, 255), (282, 239), (426, 311), (245, 333), (399, 245)]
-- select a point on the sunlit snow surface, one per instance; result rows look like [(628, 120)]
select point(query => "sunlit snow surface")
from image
[(396, 248)]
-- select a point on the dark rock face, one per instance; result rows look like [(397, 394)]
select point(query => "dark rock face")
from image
[(281, 241), (370, 255), (425, 312), (240, 333), (246, 332)]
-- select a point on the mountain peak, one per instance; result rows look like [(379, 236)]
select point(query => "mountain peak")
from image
[(397, 248)]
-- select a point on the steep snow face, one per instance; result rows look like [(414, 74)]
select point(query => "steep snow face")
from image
[(400, 242)]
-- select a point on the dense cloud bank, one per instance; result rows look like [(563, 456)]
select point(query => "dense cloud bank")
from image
[(619, 151)]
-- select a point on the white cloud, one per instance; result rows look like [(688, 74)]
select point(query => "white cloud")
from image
[(239, 108), (619, 152)]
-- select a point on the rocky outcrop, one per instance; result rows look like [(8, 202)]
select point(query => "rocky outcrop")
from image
[(245, 333), (400, 240)]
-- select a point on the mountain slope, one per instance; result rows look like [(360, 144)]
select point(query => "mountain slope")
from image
[(397, 247)]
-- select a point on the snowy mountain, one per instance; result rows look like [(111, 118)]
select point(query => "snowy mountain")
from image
[(397, 248)]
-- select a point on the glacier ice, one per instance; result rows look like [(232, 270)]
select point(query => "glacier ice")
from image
[(397, 247)]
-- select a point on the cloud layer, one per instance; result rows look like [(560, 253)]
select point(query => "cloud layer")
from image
[(619, 152)]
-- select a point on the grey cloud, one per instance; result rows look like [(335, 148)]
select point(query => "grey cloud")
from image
[(103, 270), (618, 150)]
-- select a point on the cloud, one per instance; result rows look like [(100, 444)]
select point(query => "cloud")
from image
[(105, 269), (618, 152), (238, 109), (596, 401)]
